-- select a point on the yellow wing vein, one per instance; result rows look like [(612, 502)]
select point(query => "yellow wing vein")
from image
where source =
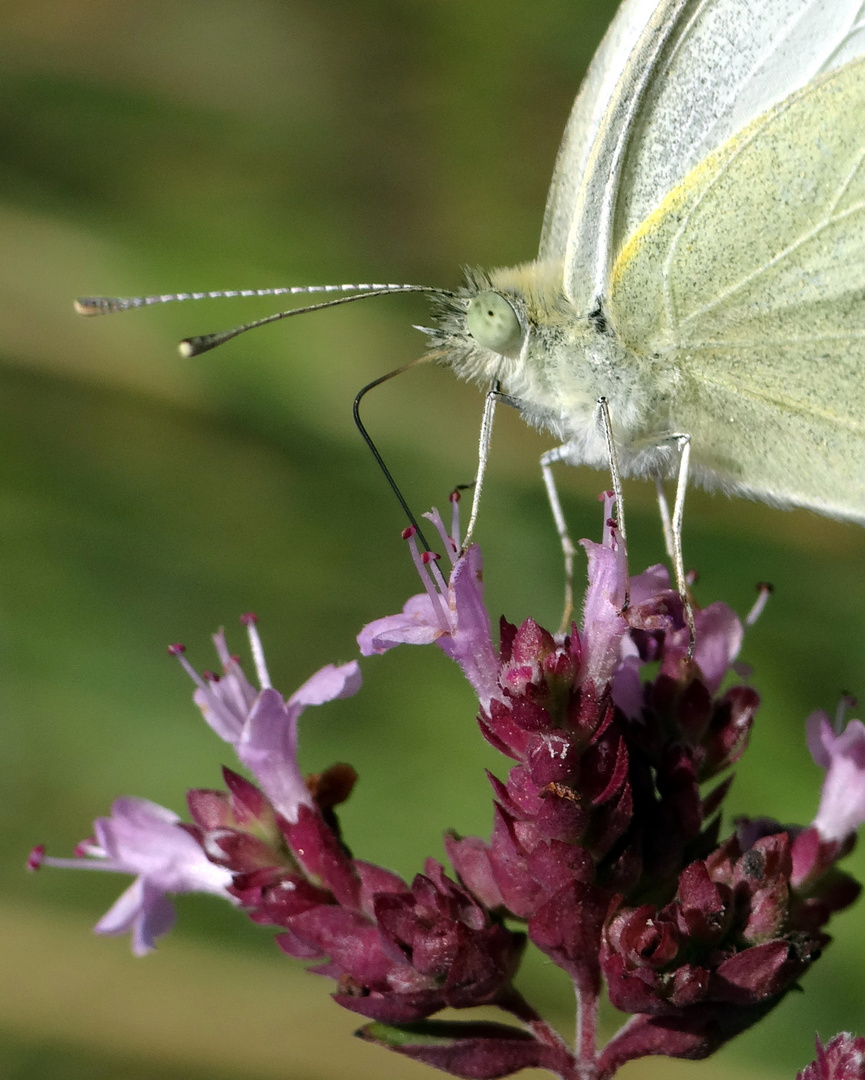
[(786, 405), (830, 219), (746, 140), (773, 262), (856, 333), (761, 124), (848, 180)]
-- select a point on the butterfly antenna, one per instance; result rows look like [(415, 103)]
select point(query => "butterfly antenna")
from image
[(195, 346), (106, 305)]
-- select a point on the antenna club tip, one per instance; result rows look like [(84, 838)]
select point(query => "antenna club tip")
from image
[(186, 349), (90, 305)]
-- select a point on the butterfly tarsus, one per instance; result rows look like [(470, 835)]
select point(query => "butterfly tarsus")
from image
[(683, 444), (560, 453), (494, 396), (616, 477)]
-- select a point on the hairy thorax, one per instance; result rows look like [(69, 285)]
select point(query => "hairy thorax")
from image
[(564, 362)]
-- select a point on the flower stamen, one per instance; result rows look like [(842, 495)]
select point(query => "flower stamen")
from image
[(250, 621)]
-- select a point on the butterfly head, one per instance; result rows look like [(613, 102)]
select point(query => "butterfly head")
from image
[(487, 329)]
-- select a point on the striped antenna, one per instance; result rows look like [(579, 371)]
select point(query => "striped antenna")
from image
[(105, 305), (195, 346)]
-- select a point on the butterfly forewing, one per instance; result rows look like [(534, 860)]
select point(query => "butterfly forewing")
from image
[(589, 112), (748, 284), (670, 84), (726, 63)]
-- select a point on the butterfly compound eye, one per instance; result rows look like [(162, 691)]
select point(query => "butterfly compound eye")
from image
[(493, 323)]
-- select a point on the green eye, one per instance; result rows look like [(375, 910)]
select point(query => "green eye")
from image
[(493, 323)]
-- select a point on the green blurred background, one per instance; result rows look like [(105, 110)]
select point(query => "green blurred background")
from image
[(156, 146)]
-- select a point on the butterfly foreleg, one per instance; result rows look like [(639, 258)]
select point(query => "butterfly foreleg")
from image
[(673, 527), (484, 440), (561, 453), (666, 521), (493, 398), (683, 442), (616, 478)]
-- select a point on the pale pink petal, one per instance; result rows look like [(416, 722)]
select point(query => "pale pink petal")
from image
[(269, 750), (719, 638), (328, 684), (842, 802), (416, 625)]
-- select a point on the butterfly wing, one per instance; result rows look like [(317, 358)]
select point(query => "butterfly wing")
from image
[(747, 287), (588, 114), (671, 83)]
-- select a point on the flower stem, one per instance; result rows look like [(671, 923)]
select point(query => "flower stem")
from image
[(586, 1045)]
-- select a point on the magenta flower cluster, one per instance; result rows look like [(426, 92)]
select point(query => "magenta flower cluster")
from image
[(606, 850)]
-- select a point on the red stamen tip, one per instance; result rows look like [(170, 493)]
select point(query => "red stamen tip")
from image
[(176, 650), (455, 496), (249, 619), (409, 532), (34, 859), (429, 556), (765, 587), (209, 676)]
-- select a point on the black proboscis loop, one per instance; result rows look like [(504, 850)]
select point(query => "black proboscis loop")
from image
[(374, 449)]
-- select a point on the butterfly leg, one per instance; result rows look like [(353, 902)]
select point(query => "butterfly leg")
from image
[(561, 453), (484, 440), (494, 396), (684, 446), (616, 477), (666, 523)]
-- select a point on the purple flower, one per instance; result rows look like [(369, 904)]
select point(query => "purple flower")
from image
[(260, 724), (603, 621), (842, 802), (842, 1058), (450, 613), (606, 843), (147, 840)]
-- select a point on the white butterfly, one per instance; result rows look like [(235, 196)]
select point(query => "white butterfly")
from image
[(697, 306), (702, 260)]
